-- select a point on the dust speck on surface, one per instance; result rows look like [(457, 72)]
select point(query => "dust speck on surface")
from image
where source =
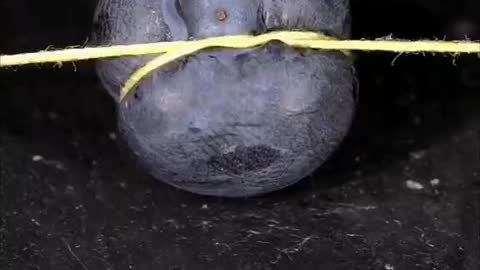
[(435, 182), (414, 185), (389, 267), (34, 221), (417, 154), (37, 158)]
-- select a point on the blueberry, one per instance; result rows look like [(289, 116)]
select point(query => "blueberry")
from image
[(231, 123)]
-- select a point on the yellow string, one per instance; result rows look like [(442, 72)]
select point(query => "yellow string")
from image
[(171, 51), (294, 39)]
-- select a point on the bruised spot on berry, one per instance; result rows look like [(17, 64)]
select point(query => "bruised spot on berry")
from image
[(245, 159)]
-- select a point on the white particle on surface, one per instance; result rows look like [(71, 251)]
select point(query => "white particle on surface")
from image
[(205, 206), (37, 158), (417, 155), (435, 182), (59, 166), (53, 163), (35, 222), (413, 185), (253, 232), (389, 267), (112, 136)]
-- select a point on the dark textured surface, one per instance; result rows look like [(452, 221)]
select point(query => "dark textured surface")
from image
[(82, 207), (296, 103)]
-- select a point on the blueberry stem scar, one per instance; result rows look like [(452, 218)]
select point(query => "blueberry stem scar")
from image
[(221, 15)]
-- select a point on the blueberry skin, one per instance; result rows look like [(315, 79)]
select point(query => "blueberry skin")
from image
[(231, 123)]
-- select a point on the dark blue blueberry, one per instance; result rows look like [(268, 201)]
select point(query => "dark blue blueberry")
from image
[(231, 123)]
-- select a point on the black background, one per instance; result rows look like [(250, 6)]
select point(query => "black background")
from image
[(84, 206)]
